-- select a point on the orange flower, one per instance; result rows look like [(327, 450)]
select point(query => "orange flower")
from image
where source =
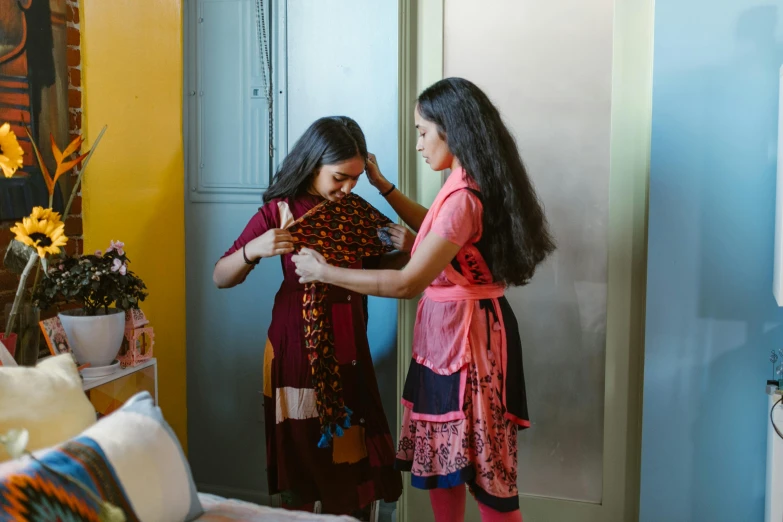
[(63, 164)]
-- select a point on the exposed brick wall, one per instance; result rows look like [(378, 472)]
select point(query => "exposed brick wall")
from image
[(74, 60), (73, 225)]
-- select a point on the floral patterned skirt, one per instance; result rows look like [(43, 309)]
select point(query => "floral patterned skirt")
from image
[(480, 449)]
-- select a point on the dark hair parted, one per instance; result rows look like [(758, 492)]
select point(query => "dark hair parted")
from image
[(327, 141), (515, 231)]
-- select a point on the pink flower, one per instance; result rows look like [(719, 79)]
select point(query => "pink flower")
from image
[(119, 266), (98, 253), (117, 246)]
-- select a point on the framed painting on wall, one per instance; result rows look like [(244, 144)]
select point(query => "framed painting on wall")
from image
[(33, 95)]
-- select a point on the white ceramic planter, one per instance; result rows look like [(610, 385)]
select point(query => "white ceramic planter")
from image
[(96, 339)]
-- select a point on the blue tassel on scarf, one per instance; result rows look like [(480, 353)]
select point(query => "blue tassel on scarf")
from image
[(325, 439), (348, 413)]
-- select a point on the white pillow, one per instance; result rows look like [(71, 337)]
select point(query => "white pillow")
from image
[(148, 460), (47, 400)]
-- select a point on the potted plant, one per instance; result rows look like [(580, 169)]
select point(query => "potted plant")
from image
[(38, 238), (105, 288)]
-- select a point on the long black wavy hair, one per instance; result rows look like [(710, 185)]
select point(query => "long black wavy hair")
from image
[(327, 141), (515, 231)]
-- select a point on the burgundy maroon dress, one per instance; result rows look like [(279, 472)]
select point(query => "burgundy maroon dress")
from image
[(358, 467)]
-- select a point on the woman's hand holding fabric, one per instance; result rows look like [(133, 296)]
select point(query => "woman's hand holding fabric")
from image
[(401, 237), (274, 242), (310, 266)]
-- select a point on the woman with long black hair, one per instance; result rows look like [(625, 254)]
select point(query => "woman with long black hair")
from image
[(464, 396), (357, 467)]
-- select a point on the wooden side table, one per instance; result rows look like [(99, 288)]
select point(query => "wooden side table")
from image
[(109, 393)]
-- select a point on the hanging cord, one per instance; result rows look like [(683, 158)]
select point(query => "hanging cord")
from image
[(773, 420), (266, 67)]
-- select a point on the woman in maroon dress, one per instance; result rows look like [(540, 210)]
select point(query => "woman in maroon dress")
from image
[(358, 467)]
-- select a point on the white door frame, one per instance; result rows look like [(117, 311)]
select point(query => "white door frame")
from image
[(421, 64)]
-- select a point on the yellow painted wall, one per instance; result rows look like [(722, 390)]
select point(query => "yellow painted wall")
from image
[(133, 189)]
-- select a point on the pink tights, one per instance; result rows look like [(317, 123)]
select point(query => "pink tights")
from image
[(449, 506)]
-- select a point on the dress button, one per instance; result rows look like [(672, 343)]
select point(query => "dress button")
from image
[(361, 421), (349, 297)]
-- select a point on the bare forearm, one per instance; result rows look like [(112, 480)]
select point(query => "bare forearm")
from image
[(394, 260), (431, 258), (231, 270), (381, 283), (411, 212)]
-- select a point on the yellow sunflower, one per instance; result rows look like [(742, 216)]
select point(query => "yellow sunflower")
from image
[(11, 154), (48, 214), (45, 235)]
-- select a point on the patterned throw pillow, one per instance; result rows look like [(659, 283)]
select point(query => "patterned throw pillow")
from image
[(43, 490), (343, 232), (130, 458)]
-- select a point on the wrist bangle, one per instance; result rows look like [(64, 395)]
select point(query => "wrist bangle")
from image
[(247, 261), (384, 194)]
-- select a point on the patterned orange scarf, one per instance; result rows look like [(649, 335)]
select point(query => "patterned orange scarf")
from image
[(343, 232)]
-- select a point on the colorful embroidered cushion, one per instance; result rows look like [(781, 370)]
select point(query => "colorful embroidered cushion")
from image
[(130, 458), (343, 232), (31, 490)]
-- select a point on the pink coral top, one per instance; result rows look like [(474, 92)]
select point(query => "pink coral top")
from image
[(445, 314)]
